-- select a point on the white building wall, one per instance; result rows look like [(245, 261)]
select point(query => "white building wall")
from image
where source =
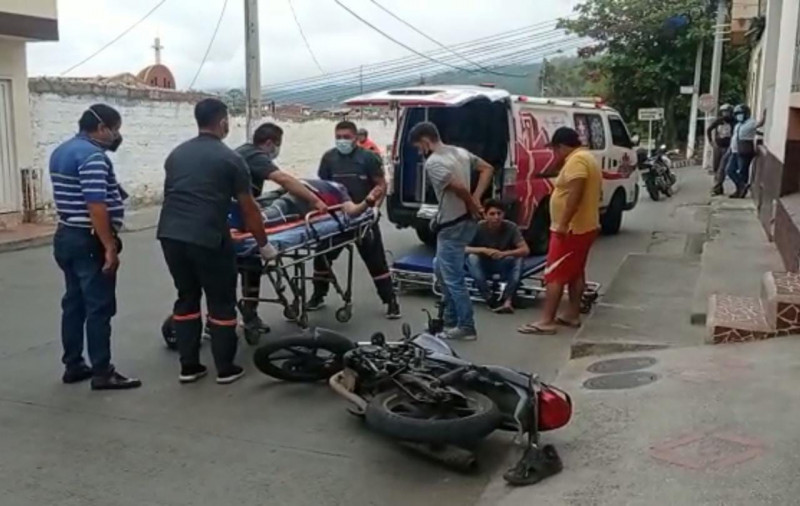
[(152, 128), (778, 119)]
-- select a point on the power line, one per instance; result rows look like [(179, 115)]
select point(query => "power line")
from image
[(401, 44), (210, 43), (115, 39), (417, 30), (302, 34)]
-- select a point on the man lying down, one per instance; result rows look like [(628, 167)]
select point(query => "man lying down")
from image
[(278, 205)]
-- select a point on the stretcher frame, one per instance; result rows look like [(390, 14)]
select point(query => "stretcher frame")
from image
[(288, 271), (531, 286)]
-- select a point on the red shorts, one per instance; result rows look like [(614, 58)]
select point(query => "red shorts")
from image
[(567, 256)]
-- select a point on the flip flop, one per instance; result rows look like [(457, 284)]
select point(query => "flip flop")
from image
[(533, 329), (504, 310), (567, 323)]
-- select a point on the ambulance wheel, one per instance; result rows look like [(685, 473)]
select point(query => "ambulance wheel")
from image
[(343, 314), (426, 235), (611, 220)]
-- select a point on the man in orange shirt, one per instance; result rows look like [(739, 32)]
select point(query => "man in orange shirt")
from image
[(575, 220), (365, 142)]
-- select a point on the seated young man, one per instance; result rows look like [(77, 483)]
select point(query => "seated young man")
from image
[(497, 249)]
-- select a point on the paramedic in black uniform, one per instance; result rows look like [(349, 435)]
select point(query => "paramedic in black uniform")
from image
[(202, 176), (361, 172), (260, 156)]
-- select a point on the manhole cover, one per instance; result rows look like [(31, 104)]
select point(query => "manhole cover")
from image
[(620, 381), (621, 365)]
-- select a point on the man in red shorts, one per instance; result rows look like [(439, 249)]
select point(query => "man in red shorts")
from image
[(575, 220)]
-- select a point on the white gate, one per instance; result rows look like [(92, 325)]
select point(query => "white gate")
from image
[(9, 175)]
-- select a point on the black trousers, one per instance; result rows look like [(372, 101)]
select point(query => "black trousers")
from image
[(196, 271), (251, 269), (372, 253)]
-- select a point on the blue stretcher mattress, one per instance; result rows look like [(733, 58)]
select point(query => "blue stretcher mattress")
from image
[(299, 235), (423, 263)]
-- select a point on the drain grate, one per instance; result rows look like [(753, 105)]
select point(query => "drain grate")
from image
[(621, 365), (620, 381)]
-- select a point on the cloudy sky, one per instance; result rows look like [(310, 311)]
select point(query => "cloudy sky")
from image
[(338, 40)]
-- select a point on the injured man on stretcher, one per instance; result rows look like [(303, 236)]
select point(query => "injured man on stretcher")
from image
[(281, 206)]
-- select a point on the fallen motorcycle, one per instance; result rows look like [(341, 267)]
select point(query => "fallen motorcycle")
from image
[(419, 392)]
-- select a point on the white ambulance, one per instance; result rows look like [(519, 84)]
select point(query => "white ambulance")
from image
[(511, 132)]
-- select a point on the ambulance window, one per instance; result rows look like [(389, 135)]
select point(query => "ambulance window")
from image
[(619, 134), (591, 131)]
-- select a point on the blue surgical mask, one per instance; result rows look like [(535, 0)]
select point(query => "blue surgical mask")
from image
[(276, 152), (740, 118), (345, 146)]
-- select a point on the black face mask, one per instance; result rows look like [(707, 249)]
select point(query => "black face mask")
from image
[(115, 143)]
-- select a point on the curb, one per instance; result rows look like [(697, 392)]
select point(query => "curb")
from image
[(21, 244)]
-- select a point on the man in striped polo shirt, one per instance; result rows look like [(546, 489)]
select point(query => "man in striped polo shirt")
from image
[(86, 247)]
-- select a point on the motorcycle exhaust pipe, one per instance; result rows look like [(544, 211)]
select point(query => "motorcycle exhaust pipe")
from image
[(452, 457), (337, 384)]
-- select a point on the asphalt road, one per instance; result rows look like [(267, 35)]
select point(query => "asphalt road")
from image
[(258, 441)]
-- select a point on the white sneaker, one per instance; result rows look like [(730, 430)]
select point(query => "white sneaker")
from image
[(460, 334)]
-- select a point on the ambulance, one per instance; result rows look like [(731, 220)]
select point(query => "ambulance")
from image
[(511, 132)]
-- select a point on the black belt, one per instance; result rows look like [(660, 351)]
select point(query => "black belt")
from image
[(438, 227)]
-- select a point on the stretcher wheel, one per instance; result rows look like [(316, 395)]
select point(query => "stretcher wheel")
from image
[(168, 333), (290, 313), (302, 321), (587, 301), (251, 336), (344, 314)]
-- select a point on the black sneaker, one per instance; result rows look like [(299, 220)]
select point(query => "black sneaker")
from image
[(316, 302), (393, 310), (234, 373), (257, 324), (114, 381), (76, 374), (192, 373)]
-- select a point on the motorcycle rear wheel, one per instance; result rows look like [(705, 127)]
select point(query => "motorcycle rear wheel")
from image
[(302, 359), (396, 415)]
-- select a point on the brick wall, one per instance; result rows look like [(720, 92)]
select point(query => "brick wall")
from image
[(787, 234), (153, 125)]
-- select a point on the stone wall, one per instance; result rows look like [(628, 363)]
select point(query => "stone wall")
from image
[(154, 122)]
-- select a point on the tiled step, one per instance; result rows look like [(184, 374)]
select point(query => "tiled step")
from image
[(734, 319), (781, 299)]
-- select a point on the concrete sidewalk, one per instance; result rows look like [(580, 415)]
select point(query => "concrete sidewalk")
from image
[(716, 427)]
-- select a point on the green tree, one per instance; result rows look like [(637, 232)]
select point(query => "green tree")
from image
[(646, 50), (236, 101)]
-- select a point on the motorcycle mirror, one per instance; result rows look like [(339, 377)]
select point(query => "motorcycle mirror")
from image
[(663, 147), (406, 329)]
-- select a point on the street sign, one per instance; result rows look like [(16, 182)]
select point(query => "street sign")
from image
[(687, 90), (707, 103), (651, 114)]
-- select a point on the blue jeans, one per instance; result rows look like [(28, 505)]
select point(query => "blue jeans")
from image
[(451, 253), (481, 268), (739, 169), (89, 302)]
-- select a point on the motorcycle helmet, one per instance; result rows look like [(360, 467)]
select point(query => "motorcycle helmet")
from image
[(742, 111), (726, 109)]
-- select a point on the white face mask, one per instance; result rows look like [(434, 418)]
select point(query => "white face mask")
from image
[(345, 146), (276, 152)]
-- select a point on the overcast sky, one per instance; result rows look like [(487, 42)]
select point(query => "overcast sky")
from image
[(338, 40)]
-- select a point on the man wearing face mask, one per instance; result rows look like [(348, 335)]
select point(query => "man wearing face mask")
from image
[(361, 173), (260, 156), (743, 149), (202, 176), (89, 201)]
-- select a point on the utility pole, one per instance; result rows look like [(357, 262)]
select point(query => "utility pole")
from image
[(252, 66), (716, 73), (542, 77), (698, 70)]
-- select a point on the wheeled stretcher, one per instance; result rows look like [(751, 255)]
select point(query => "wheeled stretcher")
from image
[(300, 240), (416, 272)]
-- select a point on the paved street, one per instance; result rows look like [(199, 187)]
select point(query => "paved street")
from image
[(258, 441)]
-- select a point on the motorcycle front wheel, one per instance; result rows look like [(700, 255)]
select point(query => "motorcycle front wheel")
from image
[(652, 190), (395, 414), (301, 359)]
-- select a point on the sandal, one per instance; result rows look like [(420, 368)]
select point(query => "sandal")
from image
[(504, 310), (566, 323), (533, 329)]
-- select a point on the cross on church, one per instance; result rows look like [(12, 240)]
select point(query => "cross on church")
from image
[(158, 47)]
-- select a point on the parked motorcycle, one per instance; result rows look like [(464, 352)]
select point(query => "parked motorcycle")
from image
[(656, 172), (418, 391)]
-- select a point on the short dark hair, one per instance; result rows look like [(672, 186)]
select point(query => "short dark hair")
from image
[(362, 131), (494, 204), (96, 114), (424, 130), (346, 125), (209, 111), (566, 136), (267, 132)]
